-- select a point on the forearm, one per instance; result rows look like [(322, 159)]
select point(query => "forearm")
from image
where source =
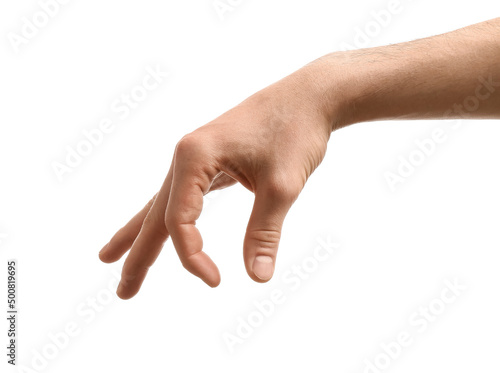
[(454, 75), (274, 140)]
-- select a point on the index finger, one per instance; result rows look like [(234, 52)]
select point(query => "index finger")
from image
[(192, 177)]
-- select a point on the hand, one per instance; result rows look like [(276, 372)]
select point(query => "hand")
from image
[(270, 143), (274, 140)]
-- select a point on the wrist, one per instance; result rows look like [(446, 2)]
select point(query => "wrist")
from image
[(362, 86), (335, 84)]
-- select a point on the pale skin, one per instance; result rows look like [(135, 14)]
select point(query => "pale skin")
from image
[(273, 141)]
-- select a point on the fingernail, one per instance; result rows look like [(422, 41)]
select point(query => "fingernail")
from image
[(263, 267)]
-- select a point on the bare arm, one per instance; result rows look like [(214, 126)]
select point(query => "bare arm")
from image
[(275, 139), (454, 75)]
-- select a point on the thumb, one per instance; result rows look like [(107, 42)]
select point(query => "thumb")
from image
[(264, 230)]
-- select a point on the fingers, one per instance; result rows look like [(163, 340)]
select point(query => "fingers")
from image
[(175, 210), (147, 245), (124, 238), (191, 180), (145, 235), (121, 242), (260, 248)]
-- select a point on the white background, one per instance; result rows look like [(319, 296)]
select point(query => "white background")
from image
[(396, 248)]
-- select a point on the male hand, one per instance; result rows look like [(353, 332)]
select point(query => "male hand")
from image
[(274, 140), (270, 143)]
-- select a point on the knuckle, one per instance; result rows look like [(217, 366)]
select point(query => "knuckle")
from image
[(282, 189), (267, 240), (186, 261), (187, 265), (173, 223), (187, 144)]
